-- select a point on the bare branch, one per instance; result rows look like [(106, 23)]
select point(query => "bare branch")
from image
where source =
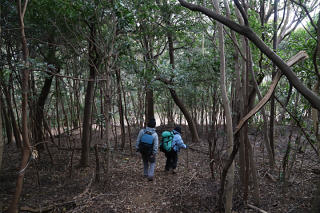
[(298, 57), (306, 11), (24, 8), (243, 13), (253, 37)]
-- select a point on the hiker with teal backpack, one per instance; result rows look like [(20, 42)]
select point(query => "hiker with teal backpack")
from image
[(147, 144), (171, 144)]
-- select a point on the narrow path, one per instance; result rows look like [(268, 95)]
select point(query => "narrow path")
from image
[(181, 192)]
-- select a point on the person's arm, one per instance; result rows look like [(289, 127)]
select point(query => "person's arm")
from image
[(155, 144), (138, 139), (180, 143)]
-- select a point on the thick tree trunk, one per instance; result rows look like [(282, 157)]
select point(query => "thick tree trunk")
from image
[(84, 161)]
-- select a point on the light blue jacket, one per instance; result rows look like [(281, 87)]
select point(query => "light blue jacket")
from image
[(155, 139), (177, 142)]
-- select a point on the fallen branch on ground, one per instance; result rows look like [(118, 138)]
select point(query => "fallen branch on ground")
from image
[(47, 208), (256, 208), (197, 150)]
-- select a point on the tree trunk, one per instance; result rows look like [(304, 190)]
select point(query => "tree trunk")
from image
[(272, 101), (264, 115), (127, 119), (13, 208), (120, 106), (107, 116), (39, 112), (84, 161), (15, 127), (7, 122), (1, 135), (57, 112), (149, 104), (191, 123), (230, 176), (192, 126), (315, 59)]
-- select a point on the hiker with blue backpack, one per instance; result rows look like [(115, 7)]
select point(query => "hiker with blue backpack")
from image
[(147, 144), (171, 144)]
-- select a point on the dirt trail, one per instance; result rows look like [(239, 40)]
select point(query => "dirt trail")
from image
[(64, 188)]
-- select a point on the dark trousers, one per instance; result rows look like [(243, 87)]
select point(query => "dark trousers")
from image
[(172, 159)]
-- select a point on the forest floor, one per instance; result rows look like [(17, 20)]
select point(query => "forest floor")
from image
[(62, 187)]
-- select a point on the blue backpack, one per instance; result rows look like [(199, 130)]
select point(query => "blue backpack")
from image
[(166, 142), (146, 143)]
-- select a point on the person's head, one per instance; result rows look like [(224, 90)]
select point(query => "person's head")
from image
[(178, 129), (151, 123)]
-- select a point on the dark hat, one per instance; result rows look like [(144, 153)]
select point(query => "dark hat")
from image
[(178, 129), (152, 123)]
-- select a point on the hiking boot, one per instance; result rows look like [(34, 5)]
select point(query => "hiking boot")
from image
[(150, 178)]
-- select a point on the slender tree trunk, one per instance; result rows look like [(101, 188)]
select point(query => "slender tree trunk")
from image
[(107, 115), (13, 208), (84, 161), (127, 120), (15, 127), (230, 176), (272, 100), (192, 126), (149, 104), (120, 106), (1, 135), (57, 111), (7, 122), (263, 112), (101, 109), (39, 112), (315, 59), (191, 123)]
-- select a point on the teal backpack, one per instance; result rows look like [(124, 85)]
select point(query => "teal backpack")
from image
[(166, 142)]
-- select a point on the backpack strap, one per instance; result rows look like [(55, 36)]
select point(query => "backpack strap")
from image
[(147, 132)]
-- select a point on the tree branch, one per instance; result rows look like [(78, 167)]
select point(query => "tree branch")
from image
[(299, 56), (252, 36), (243, 14)]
